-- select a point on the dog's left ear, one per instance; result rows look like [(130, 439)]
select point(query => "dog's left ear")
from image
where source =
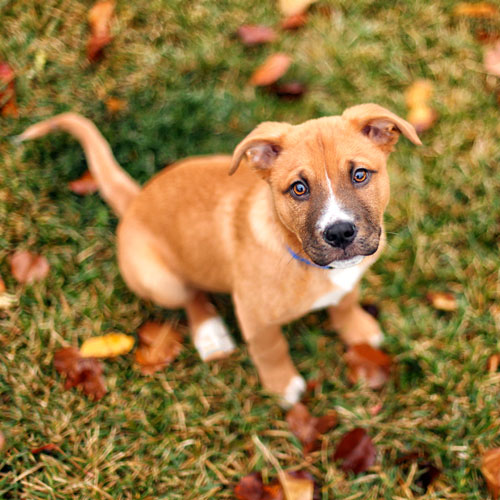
[(260, 147), (380, 125)]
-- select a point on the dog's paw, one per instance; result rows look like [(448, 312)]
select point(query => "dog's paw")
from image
[(293, 392), (212, 340)]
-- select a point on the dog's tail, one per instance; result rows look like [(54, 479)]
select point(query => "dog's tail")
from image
[(115, 185)]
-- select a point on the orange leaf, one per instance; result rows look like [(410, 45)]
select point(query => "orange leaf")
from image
[(293, 7), (492, 60), (490, 467), (3, 289), (160, 345), (307, 428), (368, 364), (49, 449), (422, 118), (86, 184), (8, 105), (27, 267), (99, 18), (356, 451), (2, 441), (252, 34), (114, 105), (107, 346), (273, 68), (492, 363), (442, 301), (294, 22), (83, 372), (479, 9)]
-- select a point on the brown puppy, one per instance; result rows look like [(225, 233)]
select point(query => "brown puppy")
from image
[(290, 231)]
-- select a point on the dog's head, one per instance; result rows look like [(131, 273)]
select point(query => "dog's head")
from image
[(328, 178)]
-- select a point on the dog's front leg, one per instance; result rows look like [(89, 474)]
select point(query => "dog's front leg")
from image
[(353, 323), (269, 352)]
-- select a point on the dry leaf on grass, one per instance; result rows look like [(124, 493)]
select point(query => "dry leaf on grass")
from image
[(2, 440), (3, 289), (27, 267), (492, 363), (492, 60), (79, 371), (417, 97), (255, 34), (307, 428), (273, 68), (99, 18), (86, 184), (356, 451), (478, 9), (47, 449), (288, 90), (369, 364), (294, 22), (490, 467), (251, 487), (8, 106), (160, 345), (442, 301), (115, 105), (293, 7), (107, 346)]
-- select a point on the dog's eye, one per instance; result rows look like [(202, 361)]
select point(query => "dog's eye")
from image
[(360, 175), (299, 189)]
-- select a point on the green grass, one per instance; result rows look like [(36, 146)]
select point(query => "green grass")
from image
[(187, 432)]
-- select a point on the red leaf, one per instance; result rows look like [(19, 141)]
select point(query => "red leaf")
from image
[(86, 184), (250, 487), (84, 372), (307, 428), (368, 364), (8, 105), (289, 90), (356, 451), (160, 345), (27, 267), (294, 22), (99, 18), (273, 68), (252, 34), (49, 449)]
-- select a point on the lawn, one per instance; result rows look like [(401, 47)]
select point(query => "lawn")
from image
[(189, 431)]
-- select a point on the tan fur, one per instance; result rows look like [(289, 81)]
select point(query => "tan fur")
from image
[(195, 229)]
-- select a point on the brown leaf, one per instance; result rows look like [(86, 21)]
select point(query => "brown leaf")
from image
[(253, 34), (490, 467), (160, 344), (493, 362), (99, 18), (251, 487), (27, 267), (307, 428), (86, 184), (289, 90), (48, 449), (2, 441), (3, 288), (293, 7), (356, 451), (442, 301), (303, 474), (369, 364), (479, 9), (492, 60), (297, 488), (8, 106), (83, 372), (115, 105), (273, 68), (485, 36), (295, 21)]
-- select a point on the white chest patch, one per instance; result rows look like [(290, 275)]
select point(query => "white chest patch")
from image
[(343, 281)]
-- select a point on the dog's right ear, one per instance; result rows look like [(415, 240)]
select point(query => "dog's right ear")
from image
[(261, 146)]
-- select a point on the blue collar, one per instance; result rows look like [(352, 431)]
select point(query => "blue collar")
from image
[(305, 261)]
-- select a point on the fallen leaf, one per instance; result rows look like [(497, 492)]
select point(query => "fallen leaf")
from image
[(273, 68), (418, 93), (27, 267), (297, 488), (107, 346), (369, 364), (293, 7), (84, 372), (253, 34), (492, 60), (486, 36), (251, 487), (289, 90), (479, 9), (442, 301), (422, 118), (99, 18), (356, 451), (48, 449), (2, 440), (426, 472), (86, 184), (3, 289), (8, 106), (307, 428), (115, 105), (493, 362), (160, 345), (294, 21), (303, 474), (490, 467)]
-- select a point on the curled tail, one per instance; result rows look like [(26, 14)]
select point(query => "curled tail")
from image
[(115, 185)]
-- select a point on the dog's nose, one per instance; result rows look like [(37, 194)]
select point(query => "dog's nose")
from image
[(340, 234)]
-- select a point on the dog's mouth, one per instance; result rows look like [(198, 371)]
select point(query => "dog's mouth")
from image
[(343, 261), (346, 263)]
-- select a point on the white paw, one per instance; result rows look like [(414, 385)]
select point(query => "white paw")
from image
[(376, 339), (294, 391), (212, 339)]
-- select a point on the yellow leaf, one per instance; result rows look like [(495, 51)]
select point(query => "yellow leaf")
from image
[(418, 93), (107, 346), (295, 488), (294, 7), (479, 9)]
